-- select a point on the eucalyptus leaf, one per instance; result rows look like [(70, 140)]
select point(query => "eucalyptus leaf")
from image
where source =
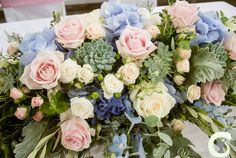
[(167, 154), (166, 138), (160, 151), (153, 121)]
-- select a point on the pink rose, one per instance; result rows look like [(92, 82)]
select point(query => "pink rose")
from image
[(21, 113), (36, 101), (184, 14), (230, 45), (16, 94), (76, 134), (70, 32), (135, 43), (44, 71), (38, 116), (213, 92)]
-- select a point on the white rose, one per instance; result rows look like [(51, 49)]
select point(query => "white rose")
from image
[(184, 54), (183, 66), (68, 71), (81, 107), (193, 93), (153, 30), (85, 74), (157, 104), (179, 80), (95, 31), (129, 73), (111, 85)]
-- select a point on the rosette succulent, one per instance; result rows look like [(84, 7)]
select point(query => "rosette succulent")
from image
[(98, 54)]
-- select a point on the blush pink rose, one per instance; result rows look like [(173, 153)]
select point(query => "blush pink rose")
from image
[(44, 71), (76, 134), (70, 32), (16, 94), (213, 92), (38, 116), (135, 43), (230, 45), (21, 113), (184, 14), (37, 101)]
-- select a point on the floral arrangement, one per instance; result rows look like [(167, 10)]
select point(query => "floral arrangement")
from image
[(122, 79)]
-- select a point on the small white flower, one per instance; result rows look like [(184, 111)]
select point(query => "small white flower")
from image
[(179, 80), (183, 66), (81, 107), (85, 74), (68, 71), (95, 31), (193, 93), (111, 85), (129, 73)]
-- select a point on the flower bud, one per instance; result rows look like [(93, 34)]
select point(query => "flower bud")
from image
[(21, 113), (183, 66), (12, 48), (184, 54), (193, 93), (38, 116), (153, 30), (179, 80), (177, 125), (16, 94), (37, 101)]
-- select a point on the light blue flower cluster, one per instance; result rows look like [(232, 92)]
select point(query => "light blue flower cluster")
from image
[(119, 143), (118, 16), (35, 42), (209, 29)]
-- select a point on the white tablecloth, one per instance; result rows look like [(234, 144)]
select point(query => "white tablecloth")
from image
[(199, 139)]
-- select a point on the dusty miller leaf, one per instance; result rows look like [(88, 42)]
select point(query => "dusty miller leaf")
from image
[(32, 134), (204, 66)]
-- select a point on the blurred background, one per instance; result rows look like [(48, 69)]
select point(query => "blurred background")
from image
[(16, 10)]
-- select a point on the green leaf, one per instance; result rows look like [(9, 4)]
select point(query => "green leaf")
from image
[(166, 138), (40, 144), (204, 66), (159, 152), (153, 121), (206, 118), (192, 112), (32, 134), (167, 154)]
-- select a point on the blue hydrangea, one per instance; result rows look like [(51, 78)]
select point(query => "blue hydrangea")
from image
[(35, 42), (138, 146), (105, 108), (118, 16), (119, 143), (209, 29)]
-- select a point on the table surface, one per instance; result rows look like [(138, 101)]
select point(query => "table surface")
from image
[(199, 139)]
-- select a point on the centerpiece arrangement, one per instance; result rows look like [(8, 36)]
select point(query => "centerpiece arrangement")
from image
[(121, 80)]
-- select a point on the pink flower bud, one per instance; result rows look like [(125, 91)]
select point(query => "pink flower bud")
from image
[(16, 94), (25, 90), (178, 125), (38, 116), (184, 54), (21, 113), (37, 101), (183, 66)]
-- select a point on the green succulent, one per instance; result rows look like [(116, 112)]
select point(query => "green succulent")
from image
[(98, 54)]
